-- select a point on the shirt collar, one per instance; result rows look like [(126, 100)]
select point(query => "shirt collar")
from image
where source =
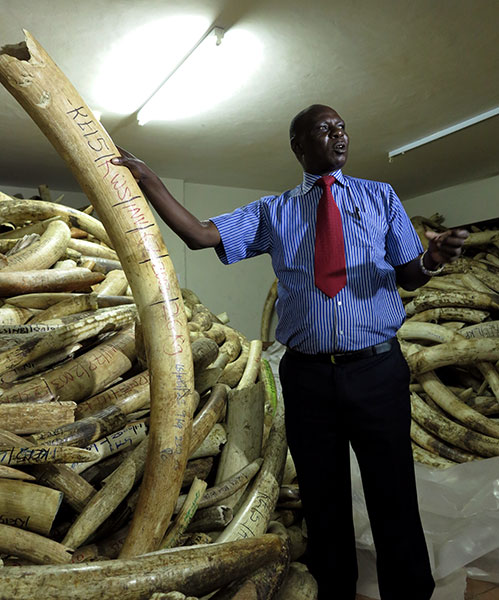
[(309, 179)]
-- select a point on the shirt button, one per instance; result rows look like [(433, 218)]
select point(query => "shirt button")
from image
[(341, 332), (339, 302)]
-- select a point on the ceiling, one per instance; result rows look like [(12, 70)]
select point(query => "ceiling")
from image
[(395, 70)]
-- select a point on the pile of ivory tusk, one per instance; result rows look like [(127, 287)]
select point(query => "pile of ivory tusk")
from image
[(142, 447), (451, 342), (75, 415)]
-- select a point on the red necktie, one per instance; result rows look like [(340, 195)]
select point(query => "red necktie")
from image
[(329, 267)]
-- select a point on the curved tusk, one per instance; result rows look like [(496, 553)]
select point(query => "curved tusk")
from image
[(87, 148)]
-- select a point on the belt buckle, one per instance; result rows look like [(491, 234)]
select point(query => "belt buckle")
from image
[(333, 360)]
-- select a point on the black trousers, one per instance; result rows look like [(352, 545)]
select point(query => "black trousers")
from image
[(366, 403)]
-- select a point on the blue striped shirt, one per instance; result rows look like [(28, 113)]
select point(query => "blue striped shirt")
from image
[(378, 236)]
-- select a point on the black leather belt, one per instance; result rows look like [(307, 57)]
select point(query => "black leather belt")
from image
[(344, 357)]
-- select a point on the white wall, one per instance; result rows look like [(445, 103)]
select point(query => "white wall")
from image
[(461, 204)]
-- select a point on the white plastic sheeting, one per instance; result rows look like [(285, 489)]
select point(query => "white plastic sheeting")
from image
[(460, 513)]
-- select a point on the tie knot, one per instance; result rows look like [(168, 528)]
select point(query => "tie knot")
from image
[(326, 181)]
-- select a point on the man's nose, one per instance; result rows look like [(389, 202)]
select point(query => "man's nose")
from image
[(336, 132)]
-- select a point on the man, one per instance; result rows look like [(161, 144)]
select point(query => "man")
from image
[(343, 376)]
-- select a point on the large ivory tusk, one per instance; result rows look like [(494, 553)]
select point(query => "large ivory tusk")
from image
[(459, 352), (28, 417), (209, 568), (115, 284), (225, 489), (417, 330), (77, 492), (491, 375), (28, 505), (482, 238), (266, 581), (212, 444), (34, 547), (41, 300), (244, 422), (47, 280), (92, 249), (185, 515), (252, 367), (450, 313), (38, 227), (487, 329), (10, 473), (41, 455), (452, 432), (208, 416), (433, 444), (431, 299), (129, 395), (428, 458), (86, 375), (14, 315), (101, 505), (71, 306), (233, 372), (268, 309), (122, 439), (20, 211), (44, 253), (230, 349), (79, 137), (84, 431), (455, 407), (101, 265), (254, 515)]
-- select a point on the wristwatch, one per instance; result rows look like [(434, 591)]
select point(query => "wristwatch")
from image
[(428, 272)]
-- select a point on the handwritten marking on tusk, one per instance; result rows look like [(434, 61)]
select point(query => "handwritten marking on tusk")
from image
[(141, 262), (125, 201), (140, 228)]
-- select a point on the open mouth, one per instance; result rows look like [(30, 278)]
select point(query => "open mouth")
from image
[(340, 147)]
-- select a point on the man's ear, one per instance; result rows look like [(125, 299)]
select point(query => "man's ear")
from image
[(295, 146)]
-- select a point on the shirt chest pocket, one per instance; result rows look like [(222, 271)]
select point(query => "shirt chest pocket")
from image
[(361, 229)]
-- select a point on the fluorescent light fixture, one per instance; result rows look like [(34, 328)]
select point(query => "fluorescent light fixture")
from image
[(134, 65), (211, 72), (442, 133)]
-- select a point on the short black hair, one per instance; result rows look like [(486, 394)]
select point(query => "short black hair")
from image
[(294, 126)]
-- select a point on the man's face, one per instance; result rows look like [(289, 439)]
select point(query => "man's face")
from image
[(321, 142)]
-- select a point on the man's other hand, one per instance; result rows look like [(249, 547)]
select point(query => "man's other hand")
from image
[(447, 246)]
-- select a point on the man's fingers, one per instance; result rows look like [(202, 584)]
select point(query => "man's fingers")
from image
[(124, 152), (446, 246), (453, 241), (431, 235)]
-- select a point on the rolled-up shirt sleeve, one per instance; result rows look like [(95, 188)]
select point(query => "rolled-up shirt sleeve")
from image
[(402, 241), (245, 233)]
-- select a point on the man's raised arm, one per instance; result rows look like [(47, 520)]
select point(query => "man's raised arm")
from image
[(195, 233)]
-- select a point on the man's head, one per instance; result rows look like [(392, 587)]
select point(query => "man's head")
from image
[(319, 140)]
